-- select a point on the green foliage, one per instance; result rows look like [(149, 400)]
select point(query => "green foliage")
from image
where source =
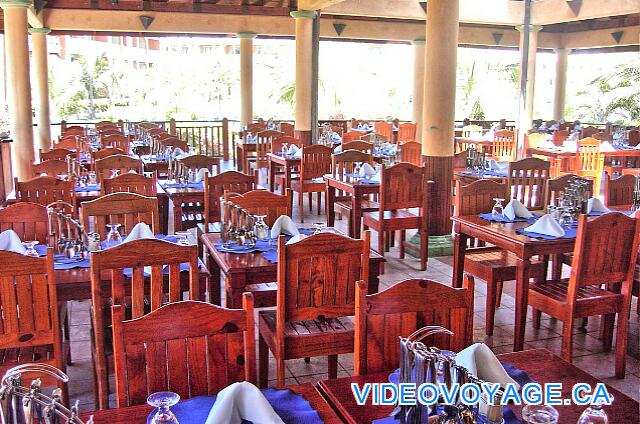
[(477, 113)]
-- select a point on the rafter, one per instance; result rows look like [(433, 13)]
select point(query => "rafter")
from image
[(316, 4)]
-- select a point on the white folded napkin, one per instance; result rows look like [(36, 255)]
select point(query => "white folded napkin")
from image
[(242, 401), (546, 144), (494, 165), (596, 205), (297, 154), (376, 177), (515, 209), (336, 137), (292, 149), (338, 149), (296, 238), (284, 225), (132, 171), (177, 152), (367, 170), (547, 226), (9, 240), (482, 363), (201, 174), (605, 146), (570, 145), (139, 231)]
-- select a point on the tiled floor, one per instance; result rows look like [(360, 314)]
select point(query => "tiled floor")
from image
[(587, 349)]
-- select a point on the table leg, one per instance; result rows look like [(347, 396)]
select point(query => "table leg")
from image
[(177, 214), (356, 214), (459, 250), (287, 179), (240, 158), (330, 199), (272, 175), (214, 277), (234, 285), (522, 295), (374, 277), (163, 212)]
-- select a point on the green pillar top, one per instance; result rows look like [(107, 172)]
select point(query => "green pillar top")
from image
[(40, 30), (531, 27), (246, 35), (418, 42), (303, 14), (4, 4)]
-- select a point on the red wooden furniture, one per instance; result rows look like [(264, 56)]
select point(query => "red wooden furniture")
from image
[(490, 264), (29, 220), (351, 136), (190, 348), (197, 162), (107, 151), (316, 300), (403, 186), (141, 294), (122, 163), (360, 145), (382, 318), (316, 162), (214, 189), (117, 141), (619, 191), (263, 146), (589, 162), (287, 129), (51, 167), (503, 148), (407, 132), (605, 252), (127, 209), (45, 190), (556, 186), (130, 183), (634, 137), (527, 180), (411, 152), (60, 154), (384, 130)]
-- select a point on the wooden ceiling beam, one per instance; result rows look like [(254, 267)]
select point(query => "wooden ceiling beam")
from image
[(546, 12), (316, 4)]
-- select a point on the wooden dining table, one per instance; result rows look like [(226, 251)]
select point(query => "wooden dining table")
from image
[(350, 187), (504, 236), (242, 148), (138, 414), (541, 365), (242, 269), (288, 165)]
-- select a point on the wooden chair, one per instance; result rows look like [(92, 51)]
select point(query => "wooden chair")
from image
[(107, 151), (316, 162), (382, 318), (403, 186), (74, 130), (589, 131), (316, 300), (527, 180), (45, 190), (122, 163), (140, 294), (263, 146), (127, 209), (384, 129), (287, 129), (359, 145), (60, 154), (214, 189), (29, 327), (605, 252), (589, 162), (619, 191), (503, 148), (109, 131), (130, 183), (634, 137), (207, 348), (411, 152), (407, 132), (556, 186), (197, 162), (602, 136), (69, 143), (559, 137), (276, 143), (118, 141), (351, 136), (51, 167), (490, 264), (29, 220)]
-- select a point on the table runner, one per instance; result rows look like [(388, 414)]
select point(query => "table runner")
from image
[(197, 185), (269, 247), (291, 407), (486, 173), (501, 218), (87, 188)]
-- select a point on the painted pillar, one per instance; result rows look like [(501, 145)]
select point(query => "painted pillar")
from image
[(439, 108), (18, 85), (246, 77), (41, 67), (525, 120), (418, 85), (304, 73), (562, 59)]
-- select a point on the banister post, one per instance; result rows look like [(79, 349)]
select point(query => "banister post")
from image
[(225, 138), (63, 126), (172, 126)]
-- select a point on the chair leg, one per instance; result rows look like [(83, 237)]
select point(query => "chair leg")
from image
[(490, 312), (263, 362), (537, 314), (424, 249), (301, 205), (607, 331), (310, 195), (381, 242), (621, 342), (499, 294), (319, 198), (403, 235), (279, 373), (567, 340), (556, 268), (333, 366)]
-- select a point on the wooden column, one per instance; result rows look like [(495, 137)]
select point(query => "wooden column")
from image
[(527, 78), (304, 73), (439, 108), (18, 85), (246, 77), (562, 58), (41, 67), (418, 86)]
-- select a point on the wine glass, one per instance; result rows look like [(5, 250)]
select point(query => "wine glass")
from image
[(183, 238), (498, 208), (115, 173), (260, 228), (285, 149), (594, 414), (31, 250), (113, 236), (539, 414), (319, 227), (163, 401), (93, 178)]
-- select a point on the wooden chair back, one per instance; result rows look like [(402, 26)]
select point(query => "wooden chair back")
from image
[(108, 151), (287, 129), (503, 148), (559, 137), (360, 145), (126, 209), (197, 162), (527, 181), (263, 144), (123, 163), (337, 129), (276, 143), (589, 131), (411, 152), (384, 129), (619, 191), (264, 202), (633, 137), (398, 311), (58, 153), (130, 183), (69, 143), (589, 161), (109, 131), (73, 130), (602, 136), (556, 186), (316, 161), (173, 141), (51, 167), (317, 277), (45, 190), (351, 135), (476, 198), (215, 187), (402, 186), (29, 220), (344, 162), (200, 349), (118, 141), (255, 127), (29, 319), (407, 132), (106, 124)]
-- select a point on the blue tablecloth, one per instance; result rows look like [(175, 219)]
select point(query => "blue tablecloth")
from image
[(199, 185), (291, 407), (155, 158), (569, 232), (269, 248), (87, 188), (485, 173), (502, 218)]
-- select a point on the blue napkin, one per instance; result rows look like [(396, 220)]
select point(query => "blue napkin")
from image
[(501, 218), (269, 251), (87, 188), (198, 185), (486, 173), (291, 407)]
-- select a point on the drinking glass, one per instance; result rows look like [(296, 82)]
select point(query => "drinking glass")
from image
[(594, 414), (93, 178), (539, 414), (113, 236), (183, 238), (319, 227), (163, 401), (285, 149), (30, 246), (498, 208), (260, 228), (115, 173)]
